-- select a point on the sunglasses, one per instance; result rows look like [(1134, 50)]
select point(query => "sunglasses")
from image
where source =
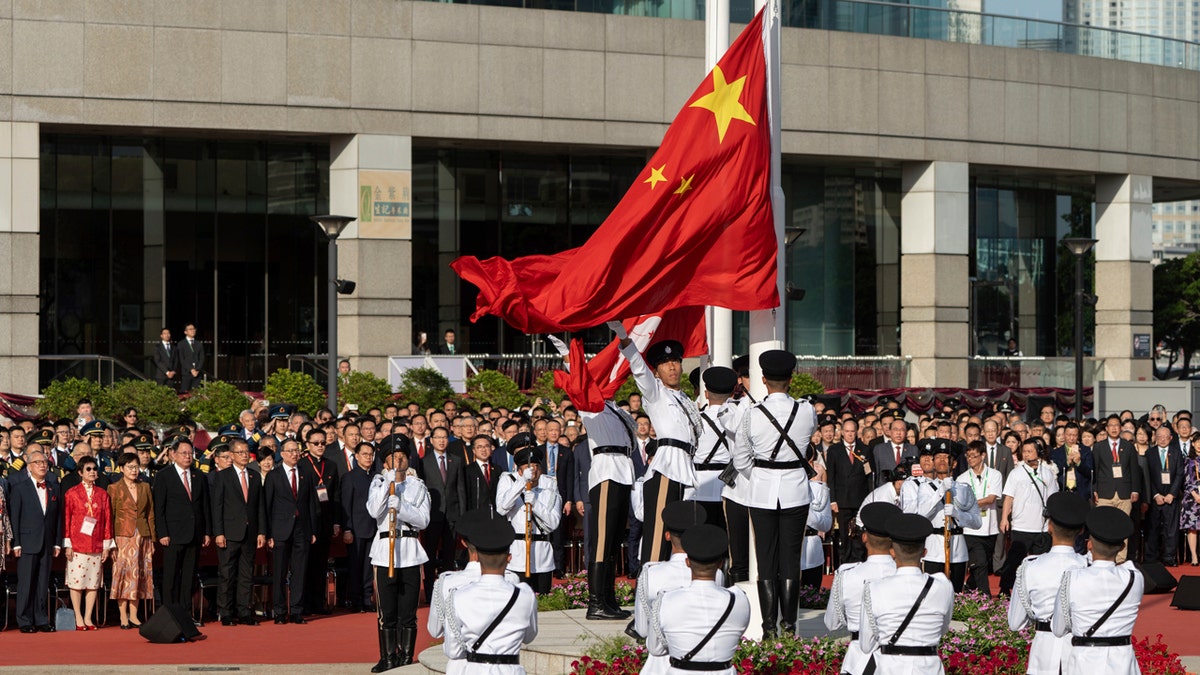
[(89, 469)]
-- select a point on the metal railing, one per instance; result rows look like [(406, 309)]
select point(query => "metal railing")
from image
[(524, 369), (857, 372), (316, 365), (99, 367), (994, 372)]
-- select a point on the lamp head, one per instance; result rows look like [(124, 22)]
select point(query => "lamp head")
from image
[(332, 225), (1079, 246)]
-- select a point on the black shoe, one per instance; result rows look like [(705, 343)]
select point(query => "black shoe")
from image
[(281, 620), (248, 621), (368, 607), (28, 629), (407, 646), (229, 622), (768, 604), (610, 593), (789, 602), (296, 618), (45, 629), (126, 626)]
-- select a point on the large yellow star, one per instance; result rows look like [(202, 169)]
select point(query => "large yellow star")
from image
[(656, 176), (723, 102), (685, 184)]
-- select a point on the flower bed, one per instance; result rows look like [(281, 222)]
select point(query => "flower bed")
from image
[(572, 593), (984, 646)]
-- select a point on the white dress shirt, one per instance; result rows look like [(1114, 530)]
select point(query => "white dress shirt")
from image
[(446, 583), (1085, 594), (609, 427), (473, 607), (710, 451), (681, 618), (926, 498), (774, 488), (1030, 489), (654, 579), (983, 485), (887, 601)]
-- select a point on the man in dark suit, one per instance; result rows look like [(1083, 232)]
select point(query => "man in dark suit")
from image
[(325, 476), (560, 465), (358, 526), (292, 514), (998, 456), (444, 476), (1117, 477), (35, 507), (481, 475), (165, 358), (190, 354), (448, 345), (1166, 489), (850, 481), (583, 507), (1075, 463), (238, 517), (642, 450), (181, 515), (885, 453), (465, 429)]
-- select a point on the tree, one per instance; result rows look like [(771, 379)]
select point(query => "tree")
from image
[(364, 389), (427, 387), (496, 388), (216, 403), (298, 389), (1177, 311), (61, 397), (155, 402)]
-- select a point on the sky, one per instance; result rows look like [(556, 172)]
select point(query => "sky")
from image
[(1049, 10)]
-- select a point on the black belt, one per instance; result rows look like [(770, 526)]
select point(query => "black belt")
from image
[(537, 537), (711, 466), (700, 665), (810, 532), (611, 450), (399, 533), (1042, 626), (953, 531), (897, 650), (853, 635), (1080, 641), (498, 659), (686, 447), (767, 464)]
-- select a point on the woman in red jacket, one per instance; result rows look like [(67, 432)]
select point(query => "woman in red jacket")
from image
[(87, 538)]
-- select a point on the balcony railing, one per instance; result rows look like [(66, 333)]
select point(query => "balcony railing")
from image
[(998, 372), (857, 372)]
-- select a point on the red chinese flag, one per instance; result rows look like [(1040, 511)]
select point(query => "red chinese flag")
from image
[(695, 228), (591, 383)]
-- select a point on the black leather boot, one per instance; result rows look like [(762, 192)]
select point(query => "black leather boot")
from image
[(768, 603), (610, 592), (408, 646), (597, 607), (789, 601), (386, 647)]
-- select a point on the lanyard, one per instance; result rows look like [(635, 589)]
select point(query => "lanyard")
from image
[(979, 493), (320, 472)]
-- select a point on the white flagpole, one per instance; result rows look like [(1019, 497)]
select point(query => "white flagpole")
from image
[(719, 319)]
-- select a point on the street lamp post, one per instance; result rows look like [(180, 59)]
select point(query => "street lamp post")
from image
[(332, 226), (1079, 247)]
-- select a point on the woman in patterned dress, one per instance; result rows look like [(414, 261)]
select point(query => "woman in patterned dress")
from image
[(133, 530), (5, 530), (1189, 510), (87, 537)]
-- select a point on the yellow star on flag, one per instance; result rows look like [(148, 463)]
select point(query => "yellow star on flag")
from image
[(656, 176), (685, 184), (724, 102)]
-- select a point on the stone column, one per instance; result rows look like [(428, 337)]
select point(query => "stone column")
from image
[(1124, 274), (19, 257), (934, 286), (370, 178)]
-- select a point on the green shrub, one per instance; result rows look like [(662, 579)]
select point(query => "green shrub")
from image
[(298, 389), (61, 398), (804, 384), (216, 403), (629, 387), (155, 403), (364, 389), (493, 386), (544, 388), (427, 387)]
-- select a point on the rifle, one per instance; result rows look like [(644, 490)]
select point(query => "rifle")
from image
[(392, 532), (528, 533), (946, 532)]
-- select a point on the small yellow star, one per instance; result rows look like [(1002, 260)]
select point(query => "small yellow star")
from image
[(723, 102), (685, 184), (656, 176)]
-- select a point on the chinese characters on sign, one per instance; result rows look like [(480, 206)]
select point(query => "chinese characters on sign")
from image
[(385, 204)]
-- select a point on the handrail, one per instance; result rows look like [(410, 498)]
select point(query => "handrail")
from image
[(101, 360)]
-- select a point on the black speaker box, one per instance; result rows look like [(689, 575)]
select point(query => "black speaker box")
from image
[(171, 623), (1157, 578), (1187, 595), (1034, 405)]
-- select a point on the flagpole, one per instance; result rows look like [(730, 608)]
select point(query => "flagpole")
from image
[(719, 319)]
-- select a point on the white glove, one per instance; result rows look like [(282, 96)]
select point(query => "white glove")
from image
[(527, 474), (618, 329), (948, 485), (948, 510), (559, 345), (529, 496), (393, 502)]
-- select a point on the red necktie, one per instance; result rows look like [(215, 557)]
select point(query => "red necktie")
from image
[(294, 491), (245, 487), (899, 454), (1116, 456), (851, 451), (187, 483), (42, 485), (487, 473)]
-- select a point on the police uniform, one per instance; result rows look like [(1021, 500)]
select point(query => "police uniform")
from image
[(844, 609), (1087, 594), (1037, 584), (610, 438), (44, 440), (820, 519), (906, 648), (547, 508), (677, 427), (698, 627), (735, 497), (774, 465), (489, 619), (396, 596), (886, 493), (926, 497), (713, 452)]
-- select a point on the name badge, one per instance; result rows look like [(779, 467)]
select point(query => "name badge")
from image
[(89, 525), (322, 494), (1117, 473), (1166, 478), (866, 469)]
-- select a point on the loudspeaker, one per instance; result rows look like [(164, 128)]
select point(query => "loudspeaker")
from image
[(1034, 405), (1157, 578), (171, 623), (1187, 595)]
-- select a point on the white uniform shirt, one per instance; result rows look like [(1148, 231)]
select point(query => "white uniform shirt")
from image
[(672, 415), (447, 582), (712, 449), (637, 499), (845, 603), (820, 518), (472, 608), (547, 512), (656, 578), (681, 618), (926, 498), (412, 514), (740, 492), (774, 488), (989, 483), (609, 427), (1083, 598), (887, 601), (884, 494), (1033, 596), (1030, 489)]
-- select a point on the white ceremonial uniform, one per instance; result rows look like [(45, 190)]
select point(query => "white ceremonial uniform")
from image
[(547, 513), (1034, 592), (926, 498), (820, 518), (713, 454), (412, 515), (845, 603), (885, 494), (1030, 489), (740, 492), (681, 618), (755, 441), (606, 429), (1084, 596), (654, 579), (471, 608), (673, 415), (887, 601), (445, 584), (989, 483), (637, 498)]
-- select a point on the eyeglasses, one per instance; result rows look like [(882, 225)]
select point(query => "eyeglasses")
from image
[(1156, 419), (89, 469), (316, 442), (290, 451), (38, 462)]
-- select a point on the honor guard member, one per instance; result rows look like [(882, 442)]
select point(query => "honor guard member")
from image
[(888, 492), (1029, 485), (699, 627), (713, 452), (926, 496), (399, 503), (524, 490), (659, 577), (845, 596), (610, 438), (820, 521), (905, 615), (677, 427), (735, 493), (468, 527), (1038, 581), (771, 454), (1098, 605), (488, 620)]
